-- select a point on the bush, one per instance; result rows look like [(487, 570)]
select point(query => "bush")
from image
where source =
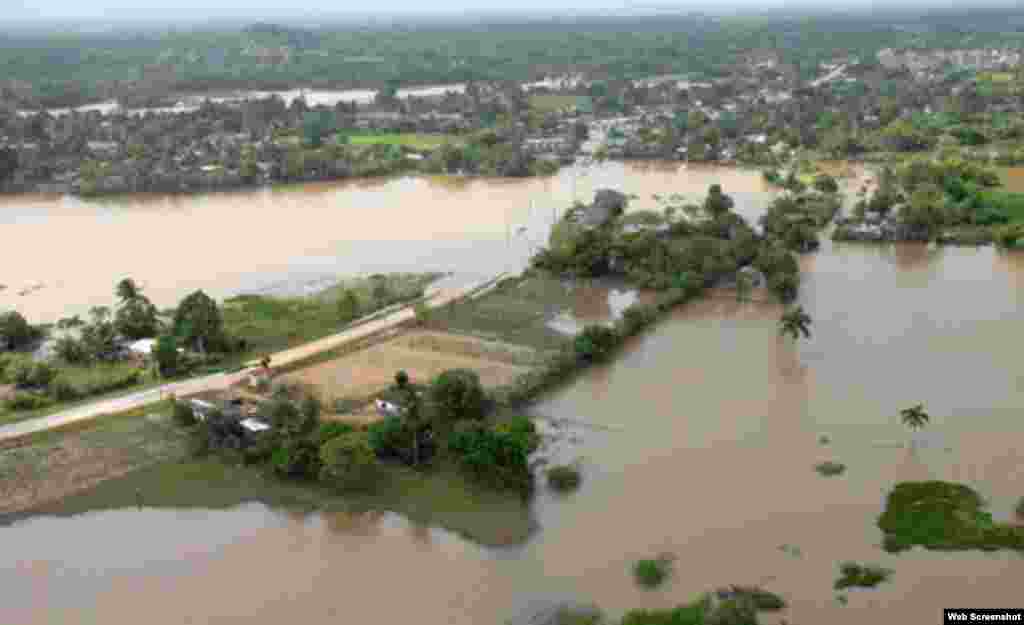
[(183, 414), (15, 331), (61, 389), (422, 313), (27, 373), (71, 350), (457, 394), (652, 573), (348, 462), (595, 343), (856, 575), (331, 429), (498, 456), (27, 401), (389, 437), (826, 184), (829, 468), (1020, 508), (564, 478)]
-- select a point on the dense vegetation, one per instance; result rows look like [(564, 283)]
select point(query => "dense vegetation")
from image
[(66, 68), (942, 516), (442, 424)]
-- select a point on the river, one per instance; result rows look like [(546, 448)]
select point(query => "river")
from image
[(700, 439), (62, 254)]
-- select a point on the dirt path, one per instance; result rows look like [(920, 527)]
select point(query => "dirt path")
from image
[(221, 381)]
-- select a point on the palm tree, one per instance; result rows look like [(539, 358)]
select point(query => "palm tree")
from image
[(795, 322), (914, 418)]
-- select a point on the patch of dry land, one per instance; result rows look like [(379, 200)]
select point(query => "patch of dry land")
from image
[(423, 355), (52, 465)]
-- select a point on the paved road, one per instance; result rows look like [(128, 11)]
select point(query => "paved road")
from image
[(436, 298)]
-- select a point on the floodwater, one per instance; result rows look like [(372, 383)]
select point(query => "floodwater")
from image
[(313, 97), (62, 255), (700, 440)]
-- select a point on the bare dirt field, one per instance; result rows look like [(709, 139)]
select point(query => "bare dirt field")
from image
[(421, 354)]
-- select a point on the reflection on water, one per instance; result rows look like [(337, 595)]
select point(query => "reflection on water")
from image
[(244, 240)]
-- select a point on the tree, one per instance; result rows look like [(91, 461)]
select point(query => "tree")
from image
[(100, 336), (457, 394), (826, 184), (348, 306), (165, 353), (198, 322), (795, 322), (15, 331), (401, 380), (8, 163), (128, 290), (717, 203), (914, 417), (594, 343), (347, 462)]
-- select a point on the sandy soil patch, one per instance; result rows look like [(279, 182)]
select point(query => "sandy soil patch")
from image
[(423, 355)]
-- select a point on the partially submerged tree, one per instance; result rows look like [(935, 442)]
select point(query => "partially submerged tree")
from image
[(796, 323)]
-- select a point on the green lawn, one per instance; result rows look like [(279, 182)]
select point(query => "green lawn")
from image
[(418, 141)]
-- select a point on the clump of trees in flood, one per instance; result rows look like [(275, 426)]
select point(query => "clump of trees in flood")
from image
[(436, 424), (688, 246)]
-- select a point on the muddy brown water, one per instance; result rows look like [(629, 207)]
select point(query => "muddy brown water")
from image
[(700, 439), (62, 255)]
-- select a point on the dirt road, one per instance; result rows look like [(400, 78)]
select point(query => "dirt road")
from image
[(437, 298)]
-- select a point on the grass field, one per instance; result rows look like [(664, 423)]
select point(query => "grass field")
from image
[(439, 496), (516, 312), (418, 141), (270, 324), (549, 103)]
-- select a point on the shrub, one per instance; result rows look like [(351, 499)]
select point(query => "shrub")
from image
[(564, 478), (457, 394), (27, 401), (856, 575), (422, 312), (183, 414), (497, 456), (829, 468), (71, 350), (1020, 508), (331, 429), (826, 184), (389, 437), (15, 331), (652, 573), (594, 343), (348, 462), (63, 390), (32, 374)]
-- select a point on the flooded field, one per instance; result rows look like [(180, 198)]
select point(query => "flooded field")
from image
[(246, 240), (700, 440)]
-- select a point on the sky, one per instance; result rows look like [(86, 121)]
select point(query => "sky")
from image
[(191, 11)]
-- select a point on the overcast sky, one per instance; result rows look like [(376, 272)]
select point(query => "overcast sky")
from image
[(193, 10)]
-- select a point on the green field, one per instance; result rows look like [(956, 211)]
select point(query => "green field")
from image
[(418, 141), (550, 103)]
